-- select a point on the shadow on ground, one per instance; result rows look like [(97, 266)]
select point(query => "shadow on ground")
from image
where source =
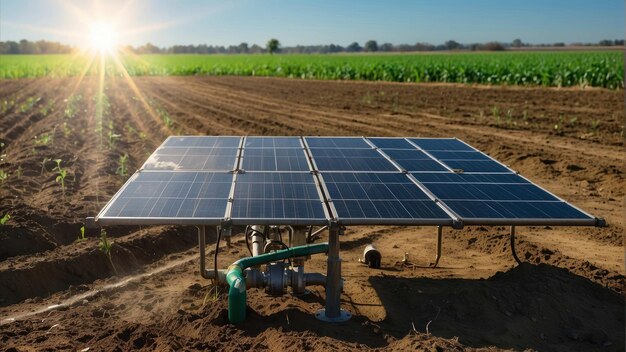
[(540, 307)]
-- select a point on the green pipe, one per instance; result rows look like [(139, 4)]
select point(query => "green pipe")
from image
[(237, 282)]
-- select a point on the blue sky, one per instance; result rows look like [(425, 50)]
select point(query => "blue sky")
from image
[(165, 23)]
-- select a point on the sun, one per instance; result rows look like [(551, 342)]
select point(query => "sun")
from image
[(103, 37)]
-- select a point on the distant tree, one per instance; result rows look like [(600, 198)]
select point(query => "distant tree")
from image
[(148, 48), (273, 45), (243, 48), (371, 46), (424, 47), (452, 45), (332, 48), (559, 44), (517, 43), (353, 47), (386, 47), (605, 42)]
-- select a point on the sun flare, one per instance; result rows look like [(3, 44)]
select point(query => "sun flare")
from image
[(103, 37)]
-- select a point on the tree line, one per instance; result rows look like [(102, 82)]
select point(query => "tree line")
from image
[(273, 46)]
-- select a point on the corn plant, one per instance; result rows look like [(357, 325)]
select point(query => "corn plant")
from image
[(3, 176), (46, 109), (105, 247), (61, 174), (43, 139), (7, 105), (5, 219), (28, 104), (81, 236), (165, 116), (113, 137), (122, 169), (595, 124), (72, 107), (495, 112)]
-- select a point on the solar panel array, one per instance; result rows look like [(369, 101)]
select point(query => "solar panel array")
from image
[(311, 180)]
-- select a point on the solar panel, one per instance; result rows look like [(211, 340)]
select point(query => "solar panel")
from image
[(346, 154), (282, 197), (311, 180), (337, 142), (170, 197), (361, 198)]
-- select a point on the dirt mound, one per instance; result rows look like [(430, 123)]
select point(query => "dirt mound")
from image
[(537, 307)]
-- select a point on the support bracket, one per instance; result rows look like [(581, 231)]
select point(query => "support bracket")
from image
[(519, 262), (333, 313), (439, 237)]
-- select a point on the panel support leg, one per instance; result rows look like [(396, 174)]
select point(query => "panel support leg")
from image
[(333, 311), (513, 246), (439, 236)]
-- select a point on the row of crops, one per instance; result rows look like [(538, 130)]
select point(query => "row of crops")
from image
[(555, 69)]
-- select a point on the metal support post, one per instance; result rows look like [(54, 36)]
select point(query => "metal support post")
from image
[(439, 236), (333, 311), (513, 245)]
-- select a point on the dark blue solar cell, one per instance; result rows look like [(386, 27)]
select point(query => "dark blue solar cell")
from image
[(275, 177), (476, 165), (414, 160), (335, 142), (450, 177), (354, 164), (371, 186), (421, 165), (404, 154), (272, 142), (483, 191), (345, 153), (201, 141), (277, 209), (388, 209), (393, 143), (429, 144), (459, 155), (514, 210), (395, 177), (209, 159)]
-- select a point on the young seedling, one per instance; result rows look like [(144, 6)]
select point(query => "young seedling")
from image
[(5, 219), (113, 137), (43, 139), (61, 174), (67, 130), (122, 169), (3, 176), (72, 105), (496, 114), (81, 236), (27, 105), (46, 109), (105, 247)]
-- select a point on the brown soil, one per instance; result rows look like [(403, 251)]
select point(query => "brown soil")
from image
[(568, 296)]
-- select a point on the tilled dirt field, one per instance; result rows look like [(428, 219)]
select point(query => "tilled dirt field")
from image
[(568, 296)]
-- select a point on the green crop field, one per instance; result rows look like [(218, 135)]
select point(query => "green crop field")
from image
[(555, 69)]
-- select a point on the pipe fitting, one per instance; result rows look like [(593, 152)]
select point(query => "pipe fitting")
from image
[(237, 282)]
